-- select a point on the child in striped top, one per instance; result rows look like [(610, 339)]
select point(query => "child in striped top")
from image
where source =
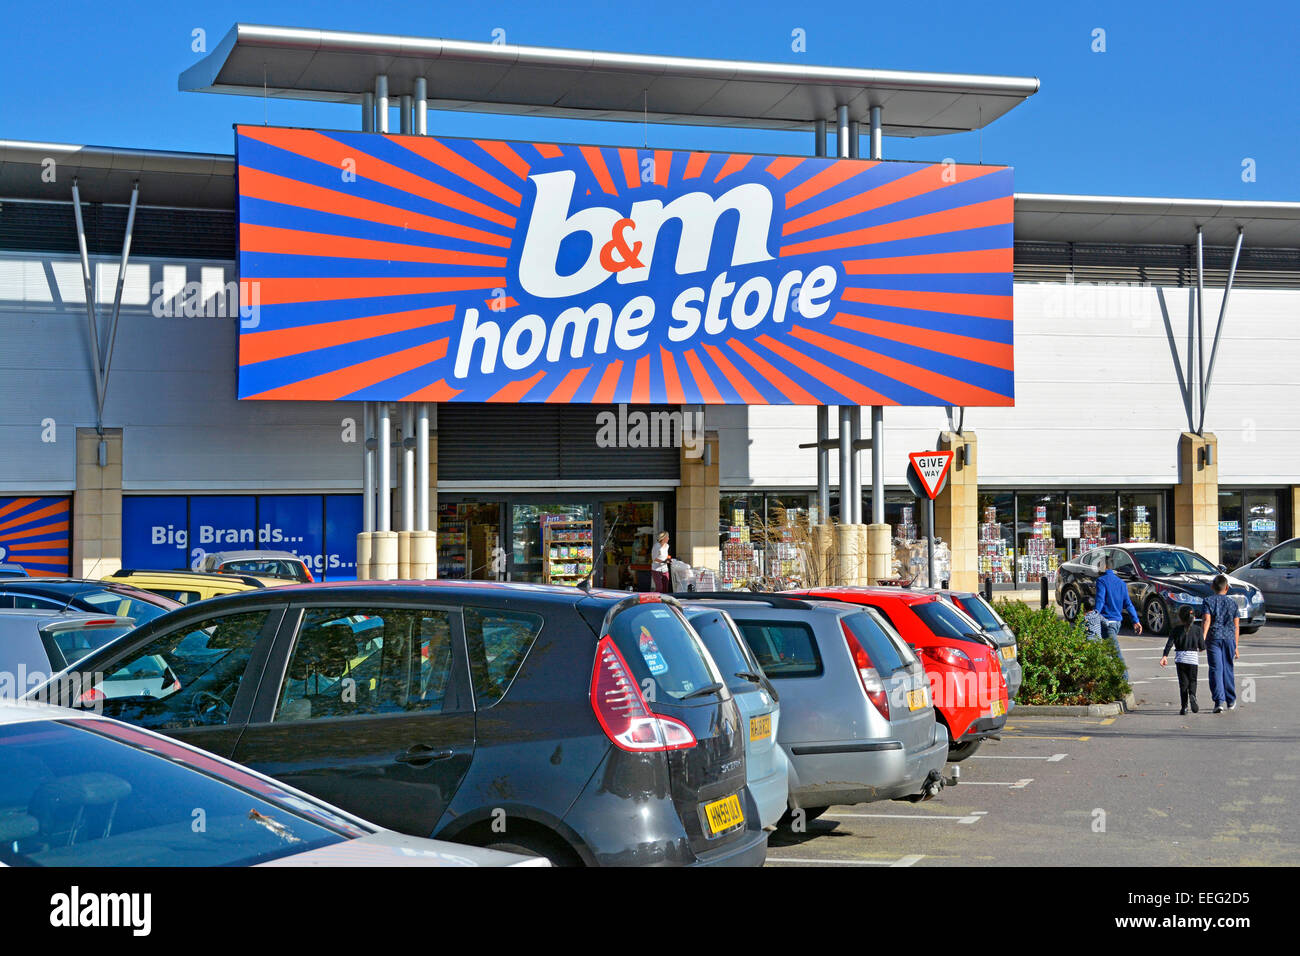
[(1187, 644)]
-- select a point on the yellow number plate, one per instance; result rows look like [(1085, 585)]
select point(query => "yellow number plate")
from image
[(999, 708), (916, 699), (724, 814), (1009, 652), (760, 728)]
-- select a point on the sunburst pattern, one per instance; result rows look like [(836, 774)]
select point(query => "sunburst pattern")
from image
[(34, 534)]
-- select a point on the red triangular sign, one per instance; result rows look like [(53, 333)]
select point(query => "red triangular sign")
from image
[(932, 468)]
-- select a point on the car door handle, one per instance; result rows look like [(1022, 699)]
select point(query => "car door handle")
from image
[(422, 754)]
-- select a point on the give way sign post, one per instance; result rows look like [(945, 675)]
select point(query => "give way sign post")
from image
[(928, 476)]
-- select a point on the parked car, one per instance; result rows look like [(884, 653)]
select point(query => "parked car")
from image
[(857, 724), (1276, 573), (974, 606), (767, 771), (503, 715), (77, 789), (188, 587), (966, 683), (118, 600), (1160, 579), (45, 641), (263, 564), (10, 570)]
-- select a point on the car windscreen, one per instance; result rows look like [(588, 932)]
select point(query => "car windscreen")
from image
[(884, 655), (944, 620), (72, 796), (121, 605), (1161, 562), (657, 643), (726, 647), (983, 614)]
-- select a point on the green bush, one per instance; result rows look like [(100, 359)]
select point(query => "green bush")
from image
[(1061, 666)]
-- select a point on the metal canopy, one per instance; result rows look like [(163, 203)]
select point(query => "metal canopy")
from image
[(330, 66), (107, 175), (1130, 219)]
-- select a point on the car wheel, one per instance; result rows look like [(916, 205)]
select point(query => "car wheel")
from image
[(1071, 602), (530, 844), (959, 752), (1156, 617), (1250, 630), (809, 814)]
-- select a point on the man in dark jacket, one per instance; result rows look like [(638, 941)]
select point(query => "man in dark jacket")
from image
[(1112, 602)]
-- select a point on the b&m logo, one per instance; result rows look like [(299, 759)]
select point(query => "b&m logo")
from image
[(476, 270)]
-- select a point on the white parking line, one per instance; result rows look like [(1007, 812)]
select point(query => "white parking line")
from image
[(1054, 758), (909, 860), (1017, 785), (973, 817)]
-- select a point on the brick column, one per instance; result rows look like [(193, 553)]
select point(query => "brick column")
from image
[(97, 506), (956, 510), (1196, 496), (698, 502)]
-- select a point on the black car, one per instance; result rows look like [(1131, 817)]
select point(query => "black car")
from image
[(1161, 578), (78, 594), (585, 727)]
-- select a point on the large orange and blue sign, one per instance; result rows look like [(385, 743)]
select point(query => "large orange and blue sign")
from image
[(412, 268), (34, 534)]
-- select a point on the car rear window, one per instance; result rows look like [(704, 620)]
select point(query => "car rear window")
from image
[(656, 643), (783, 648), (884, 655), (121, 605), (74, 643), (943, 619), (982, 613), (267, 568), (726, 646)]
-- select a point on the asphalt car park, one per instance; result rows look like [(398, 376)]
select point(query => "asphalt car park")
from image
[(1144, 787)]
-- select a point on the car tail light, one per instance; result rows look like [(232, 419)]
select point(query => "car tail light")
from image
[(310, 578), (872, 685), (950, 656), (90, 698), (623, 712)]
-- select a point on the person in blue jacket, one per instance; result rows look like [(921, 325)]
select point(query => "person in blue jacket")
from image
[(1112, 602)]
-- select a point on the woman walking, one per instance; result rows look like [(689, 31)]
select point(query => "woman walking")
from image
[(659, 565)]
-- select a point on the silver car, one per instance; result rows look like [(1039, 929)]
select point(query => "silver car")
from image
[(1277, 574), (857, 722), (38, 642), (990, 623), (77, 789)]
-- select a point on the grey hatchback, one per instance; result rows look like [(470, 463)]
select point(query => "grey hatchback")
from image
[(857, 722)]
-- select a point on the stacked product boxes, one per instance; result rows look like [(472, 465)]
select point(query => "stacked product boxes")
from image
[(1090, 529), (739, 558), (1040, 558), (996, 558), (1140, 526)]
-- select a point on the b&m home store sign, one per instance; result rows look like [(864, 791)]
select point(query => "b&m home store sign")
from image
[(415, 268)]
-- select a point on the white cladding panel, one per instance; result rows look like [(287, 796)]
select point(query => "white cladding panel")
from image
[(172, 386)]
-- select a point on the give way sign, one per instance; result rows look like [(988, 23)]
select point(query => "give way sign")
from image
[(931, 469)]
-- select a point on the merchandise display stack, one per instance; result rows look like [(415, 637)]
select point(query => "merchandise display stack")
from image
[(784, 556), (907, 529), (996, 557), (911, 561), (454, 559), (1090, 529), (1040, 558), (739, 556), (1139, 529), (566, 550)]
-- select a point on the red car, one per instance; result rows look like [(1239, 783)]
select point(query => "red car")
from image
[(966, 682)]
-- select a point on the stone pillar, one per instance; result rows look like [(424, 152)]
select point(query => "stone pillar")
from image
[(424, 556), (97, 506), (880, 552), (383, 556), (1196, 496), (1295, 513), (404, 555), (848, 557), (956, 510), (365, 554), (697, 508)]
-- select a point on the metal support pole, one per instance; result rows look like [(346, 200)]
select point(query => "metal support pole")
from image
[(1200, 323), (408, 467), (842, 131), (422, 466), (381, 103), (405, 111), (877, 413), (823, 464), (855, 466), (91, 319), (877, 134), (846, 467), (384, 439), (929, 541), (1218, 328), (117, 297), (367, 112), (819, 135), (369, 444), (421, 106)]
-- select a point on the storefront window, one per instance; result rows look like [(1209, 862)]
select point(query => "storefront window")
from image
[(996, 532), (1142, 517), (1039, 546), (1248, 525), (1096, 512), (468, 534), (630, 527), (557, 555)]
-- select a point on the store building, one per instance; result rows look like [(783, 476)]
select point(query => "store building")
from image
[(151, 459)]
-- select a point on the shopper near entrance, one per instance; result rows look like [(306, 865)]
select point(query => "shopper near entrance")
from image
[(1187, 641), (1112, 602), (1220, 625), (659, 565)]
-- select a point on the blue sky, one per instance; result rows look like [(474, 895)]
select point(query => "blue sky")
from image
[(1180, 98)]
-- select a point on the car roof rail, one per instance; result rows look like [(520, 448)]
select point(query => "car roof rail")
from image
[(756, 597)]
